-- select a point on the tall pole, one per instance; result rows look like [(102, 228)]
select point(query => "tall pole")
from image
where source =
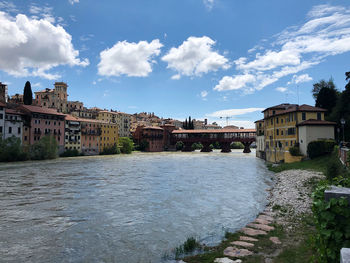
[(342, 121)]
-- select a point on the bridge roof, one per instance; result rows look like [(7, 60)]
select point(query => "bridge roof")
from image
[(214, 131)]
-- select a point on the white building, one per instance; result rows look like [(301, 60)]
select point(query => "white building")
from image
[(124, 122), (13, 124), (2, 120), (313, 130)]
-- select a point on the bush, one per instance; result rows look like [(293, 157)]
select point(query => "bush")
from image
[(179, 145), (108, 150), (319, 148), (11, 150), (197, 146), (70, 153), (295, 151), (46, 148), (126, 145), (237, 145)]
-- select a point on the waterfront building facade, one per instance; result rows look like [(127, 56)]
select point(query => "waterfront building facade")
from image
[(53, 98), (72, 134), (13, 124), (109, 135), (260, 139), (123, 120), (41, 122), (281, 128), (90, 136)]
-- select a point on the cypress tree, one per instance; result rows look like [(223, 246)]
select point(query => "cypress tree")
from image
[(185, 125), (27, 94), (189, 123)]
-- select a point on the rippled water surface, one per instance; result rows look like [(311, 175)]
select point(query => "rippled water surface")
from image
[(125, 208)]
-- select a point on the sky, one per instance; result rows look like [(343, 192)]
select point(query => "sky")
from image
[(224, 60)]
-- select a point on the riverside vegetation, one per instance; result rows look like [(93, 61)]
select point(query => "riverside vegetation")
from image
[(315, 233), (12, 150)]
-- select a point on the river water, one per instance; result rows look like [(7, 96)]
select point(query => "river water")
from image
[(125, 208)]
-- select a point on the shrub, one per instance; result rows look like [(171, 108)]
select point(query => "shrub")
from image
[(197, 146), (179, 145), (319, 148), (108, 150), (46, 148), (237, 145), (11, 150), (126, 145), (70, 153), (295, 151)]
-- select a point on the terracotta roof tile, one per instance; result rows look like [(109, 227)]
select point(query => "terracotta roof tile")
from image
[(316, 122), (13, 111), (214, 131), (38, 109)]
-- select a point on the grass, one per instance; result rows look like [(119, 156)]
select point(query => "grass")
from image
[(318, 164)]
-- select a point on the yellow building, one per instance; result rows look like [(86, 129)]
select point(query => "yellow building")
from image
[(123, 120), (281, 131), (109, 135)]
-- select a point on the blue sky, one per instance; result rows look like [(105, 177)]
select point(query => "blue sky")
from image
[(204, 58)]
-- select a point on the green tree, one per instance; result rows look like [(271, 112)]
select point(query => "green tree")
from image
[(108, 150), (46, 148), (27, 94), (179, 145), (11, 150), (322, 84), (126, 145), (326, 95)]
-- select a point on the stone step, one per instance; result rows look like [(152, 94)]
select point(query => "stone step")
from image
[(265, 217), (237, 252), (244, 238), (268, 213), (242, 244), (252, 232), (262, 221), (227, 260), (275, 240), (261, 227)]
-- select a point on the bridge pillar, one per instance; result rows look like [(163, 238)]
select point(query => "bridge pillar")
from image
[(206, 147), (225, 147), (187, 147), (246, 147)]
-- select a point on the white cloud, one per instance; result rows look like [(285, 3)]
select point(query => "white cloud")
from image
[(234, 83), (130, 59), (72, 2), (300, 79), (32, 47), (233, 112), (209, 4), (44, 12), (195, 57), (282, 89), (325, 33), (8, 7), (204, 94)]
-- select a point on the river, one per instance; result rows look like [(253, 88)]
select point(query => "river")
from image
[(125, 208)]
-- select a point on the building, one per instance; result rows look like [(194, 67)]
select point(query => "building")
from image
[(282, 127), (313, 130), (123, 120), (260, 139), (90, 136), (41, 121), (72, 133), (53, 98), (109, 135), (2, 119), (75, 106), (152, 135), (17, 99), (85, 113), (3, 93), (13, 124)]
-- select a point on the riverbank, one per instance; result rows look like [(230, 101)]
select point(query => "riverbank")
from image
[(282, 233)]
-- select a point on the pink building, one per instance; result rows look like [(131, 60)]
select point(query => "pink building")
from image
[(43, 121)]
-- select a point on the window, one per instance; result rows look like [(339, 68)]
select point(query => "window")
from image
[(319, 116), (303, 116), (281, 132), (25, 138), (271, 121), (1, 116), (10, 130), (0, 129), (19, 130), (277, 120), (291, 131), (277, 132), (286, 143)]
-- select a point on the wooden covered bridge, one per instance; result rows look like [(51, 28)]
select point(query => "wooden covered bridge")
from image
[(206, 137)]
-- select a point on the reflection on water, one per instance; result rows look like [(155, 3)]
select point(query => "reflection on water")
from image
[(129, 208)]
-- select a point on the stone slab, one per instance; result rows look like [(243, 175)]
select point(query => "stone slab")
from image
[(244, 238), (265, 217), (227, 260), (337, 192), (253, 232), (345, 255), (275, 240), (242, 244), (261, 227), (262, 221), (237, 252)]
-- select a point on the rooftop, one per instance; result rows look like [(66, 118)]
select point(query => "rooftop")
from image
[(38, 109), (316, 122), (214, 131)]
